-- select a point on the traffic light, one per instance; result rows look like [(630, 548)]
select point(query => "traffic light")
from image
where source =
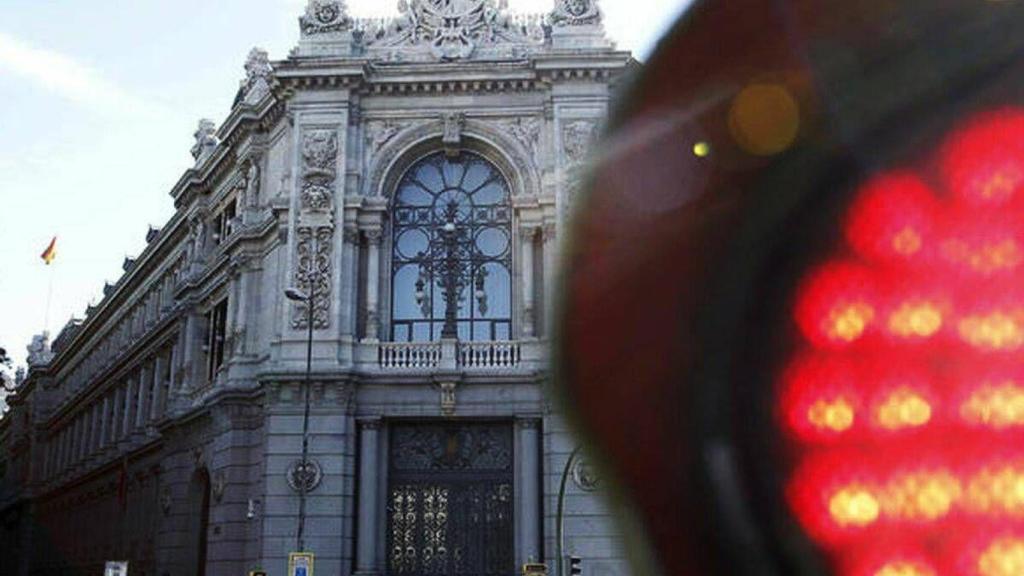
[(574, 565), (793, 311)]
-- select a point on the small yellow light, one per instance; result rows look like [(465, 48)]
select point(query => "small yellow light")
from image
[(848, 322), (1004, 557), (701, 149), (921, 496), (907, 242), (997, 491), (913, 319), (1005, 255), (836, 416), (854, 505), (904, 569), (903, 408), (998, 406), (998, 331)]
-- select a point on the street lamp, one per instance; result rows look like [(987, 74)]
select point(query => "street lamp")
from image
[(447, 264), (303, 475)]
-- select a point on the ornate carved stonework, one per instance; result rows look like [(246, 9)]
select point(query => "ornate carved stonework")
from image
[(314, 265), (206, 140), (315, 233), (575, 13), (317, 198), (323, 16), (319, 156), (304, 478), (379, 133), (217, 485), (39, 352), (258, 70), (448, 398), (454, 123), (526, 130), (451, 29), (252, 185), (577, 136)]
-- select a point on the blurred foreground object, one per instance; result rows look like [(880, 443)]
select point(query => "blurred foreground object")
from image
[(793, 315)]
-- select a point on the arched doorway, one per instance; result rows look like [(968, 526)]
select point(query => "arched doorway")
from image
[(198, 522)]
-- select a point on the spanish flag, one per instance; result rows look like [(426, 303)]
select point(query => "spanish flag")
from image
[(51, 252)]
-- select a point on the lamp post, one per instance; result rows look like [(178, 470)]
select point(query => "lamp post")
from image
[(560, 513), (303, 473), (448, 262)]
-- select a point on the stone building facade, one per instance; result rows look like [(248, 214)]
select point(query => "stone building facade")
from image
[(409, 178)]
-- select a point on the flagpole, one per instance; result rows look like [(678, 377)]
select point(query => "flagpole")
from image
[(49, 300)]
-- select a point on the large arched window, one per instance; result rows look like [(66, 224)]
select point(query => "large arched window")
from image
[(451, 251)]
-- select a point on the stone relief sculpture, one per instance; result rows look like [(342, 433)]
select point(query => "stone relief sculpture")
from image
[(316, 226), (577, 136), (256, 84), (251, 180), (576, 13), (380, 133), (526, 131), (452, 29), (454, 123), (323, 16)]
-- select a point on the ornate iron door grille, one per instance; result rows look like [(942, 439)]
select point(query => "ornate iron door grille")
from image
[(450, 500)]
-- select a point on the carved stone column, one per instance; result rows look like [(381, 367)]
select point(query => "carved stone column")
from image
[(550, 260), (142, 398), (105, 422), (528, 234), (159, 378), (529, 481), (350, 269), (366, 539), (128, 422), (373, 239)]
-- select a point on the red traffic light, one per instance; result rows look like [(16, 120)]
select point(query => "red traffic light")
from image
[(794, 307)]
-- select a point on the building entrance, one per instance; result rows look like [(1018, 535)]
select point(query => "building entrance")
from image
[(450, 500)]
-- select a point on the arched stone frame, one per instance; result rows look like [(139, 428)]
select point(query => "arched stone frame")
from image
[(487, 139)]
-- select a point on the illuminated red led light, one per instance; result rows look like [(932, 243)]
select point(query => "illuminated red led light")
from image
[(893, 220), (983, 162), (905, 402)]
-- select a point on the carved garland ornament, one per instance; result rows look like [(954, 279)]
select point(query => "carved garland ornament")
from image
[(316, 227)]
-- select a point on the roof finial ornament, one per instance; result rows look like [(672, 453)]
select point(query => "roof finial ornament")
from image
[(324, 16), (258, 70), (206, 140), (576, 13)]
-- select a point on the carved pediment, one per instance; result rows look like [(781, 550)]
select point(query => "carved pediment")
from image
[(448, 30)]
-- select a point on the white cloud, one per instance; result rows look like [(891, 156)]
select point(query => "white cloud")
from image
[(66, 77)]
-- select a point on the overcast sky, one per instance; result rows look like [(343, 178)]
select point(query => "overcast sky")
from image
[(100, 100)]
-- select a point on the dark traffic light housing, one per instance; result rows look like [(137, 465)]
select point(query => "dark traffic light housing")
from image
[(725, 255)]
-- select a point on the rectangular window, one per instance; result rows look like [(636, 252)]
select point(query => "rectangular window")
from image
[(216, 322)]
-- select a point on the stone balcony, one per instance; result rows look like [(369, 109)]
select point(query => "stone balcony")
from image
[(455, 355)]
